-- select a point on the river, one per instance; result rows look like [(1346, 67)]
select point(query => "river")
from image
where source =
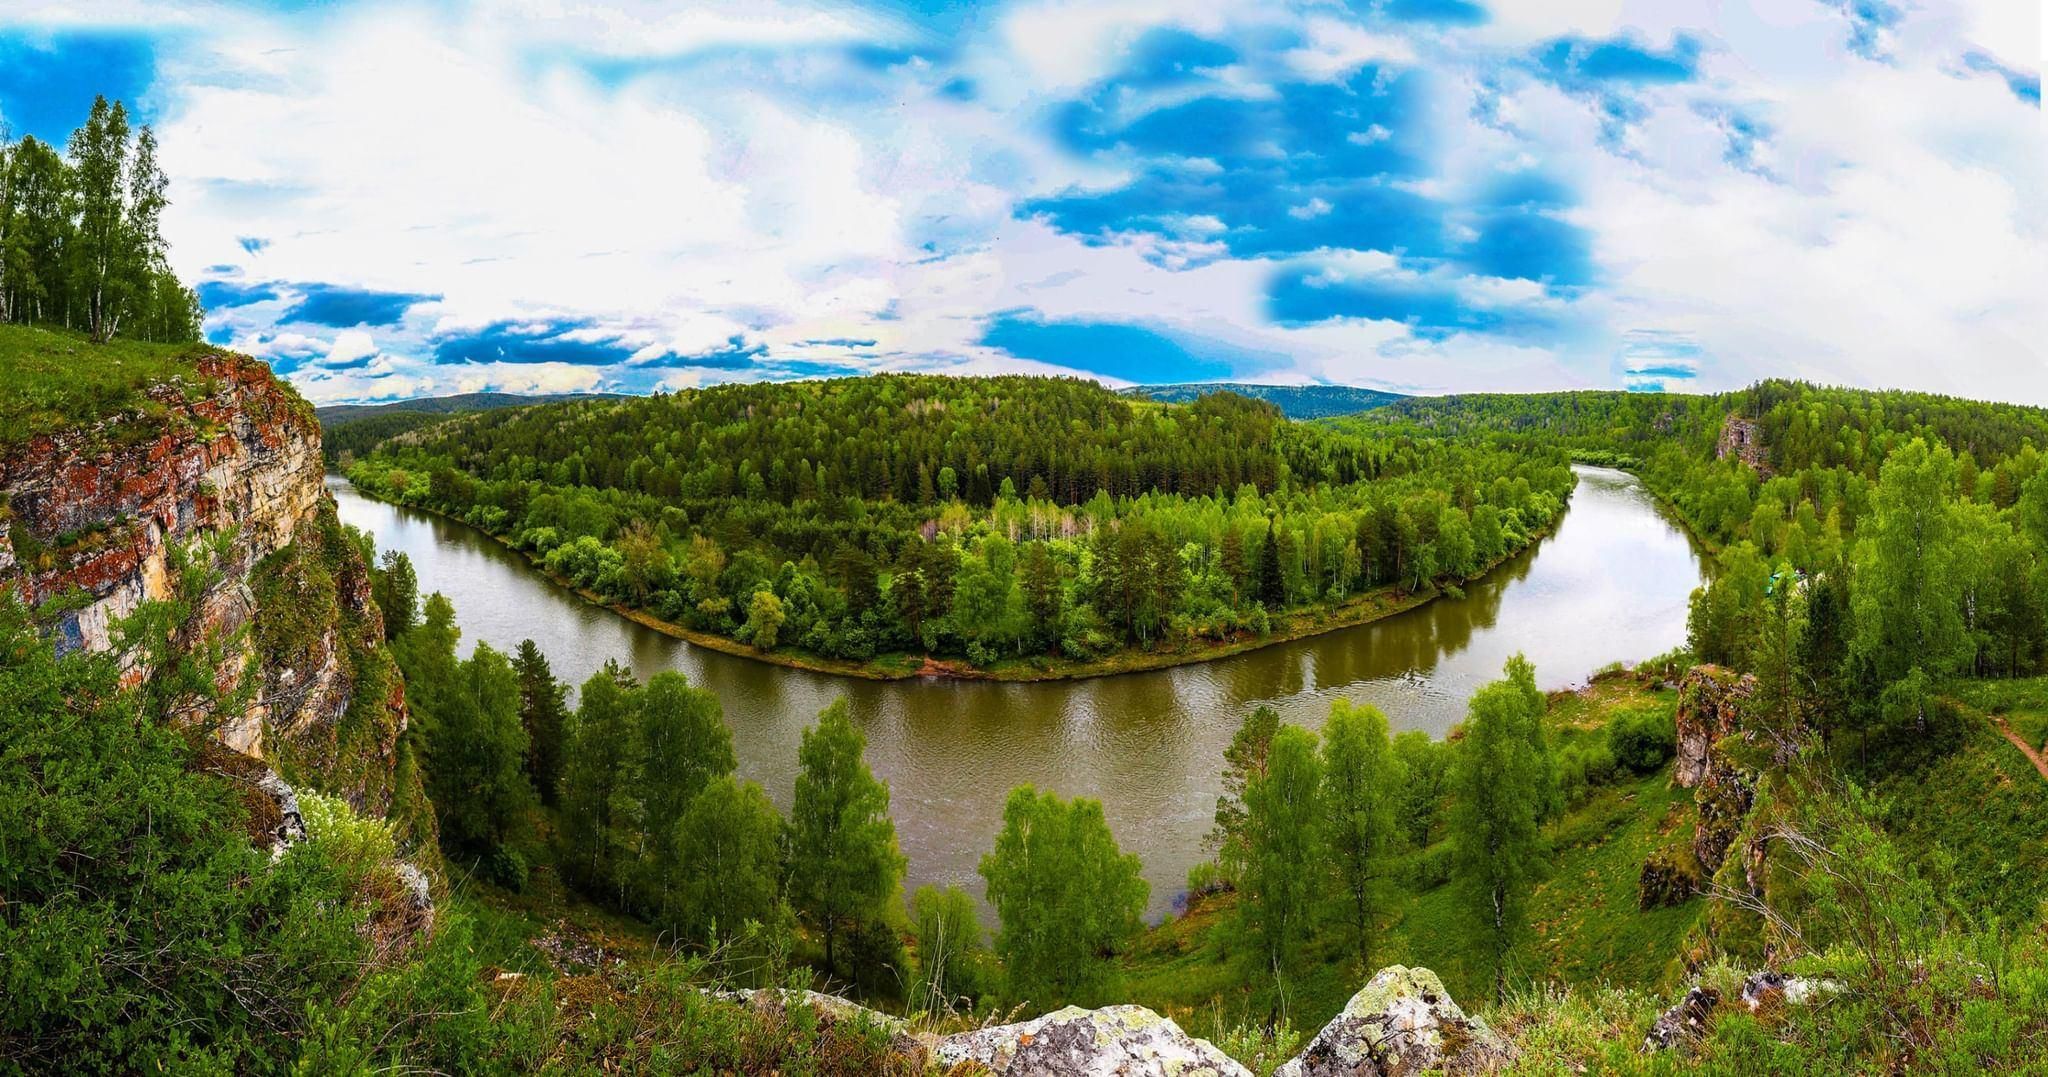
[(1610, 583)]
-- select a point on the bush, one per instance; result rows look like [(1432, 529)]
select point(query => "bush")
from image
[(1582, 767), (1643, 741)]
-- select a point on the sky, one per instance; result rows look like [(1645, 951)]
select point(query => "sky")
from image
[(389, 200)]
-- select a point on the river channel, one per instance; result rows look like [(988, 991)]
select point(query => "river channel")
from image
[(1610, 583)]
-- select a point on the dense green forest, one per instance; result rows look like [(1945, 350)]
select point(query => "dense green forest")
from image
[(1000, 520), (350, 430), (81, 244)]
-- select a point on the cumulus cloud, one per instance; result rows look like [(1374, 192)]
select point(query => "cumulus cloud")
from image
[(1415, 194)]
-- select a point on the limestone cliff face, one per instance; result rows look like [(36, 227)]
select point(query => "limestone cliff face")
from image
[(211, 498)]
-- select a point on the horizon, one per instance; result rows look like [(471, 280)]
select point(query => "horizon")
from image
[(390, 201)]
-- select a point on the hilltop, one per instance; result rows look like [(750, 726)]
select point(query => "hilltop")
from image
[(1294, 401)]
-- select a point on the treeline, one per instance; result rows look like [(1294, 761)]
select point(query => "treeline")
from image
[(81, 242), (1892, 540), (989, 518)]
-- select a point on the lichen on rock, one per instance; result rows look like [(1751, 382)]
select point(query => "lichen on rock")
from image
[(1115, 1041), (1402, 1022)]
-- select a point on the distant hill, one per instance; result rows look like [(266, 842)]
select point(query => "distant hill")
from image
[(450, 405), (355, 429), (1294, 401)]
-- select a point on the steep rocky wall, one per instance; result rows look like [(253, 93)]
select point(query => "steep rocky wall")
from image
[(1743, 439), (213, 497)]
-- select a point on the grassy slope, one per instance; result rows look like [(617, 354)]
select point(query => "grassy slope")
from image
[(1991, 814), (1586, 929), (52, 380)]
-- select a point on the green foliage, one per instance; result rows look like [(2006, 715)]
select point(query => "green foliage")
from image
[(726, 870), (845, 867), (141, 929), (1023, 521), (395, 587), (543, 712), (1282, 886), (1362, 794), (81, 244), (1503, 789), (1244, 761), (595, 834), (684, 746), (1643, 740), (1067, 896), (952, 954), (1425, 767)]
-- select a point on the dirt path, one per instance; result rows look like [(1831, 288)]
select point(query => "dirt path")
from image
[(2005, 730), (2020, 742)]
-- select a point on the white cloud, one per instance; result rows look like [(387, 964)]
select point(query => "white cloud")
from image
[(672, 178)]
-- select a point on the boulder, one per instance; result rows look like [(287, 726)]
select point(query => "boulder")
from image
[(1403, 1022), (1116, 1041), (831, 1010)]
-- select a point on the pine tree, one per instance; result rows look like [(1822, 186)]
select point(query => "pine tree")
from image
[(395, 588), (1272, 582), (1244, 761), (474, 760), (543, 711)]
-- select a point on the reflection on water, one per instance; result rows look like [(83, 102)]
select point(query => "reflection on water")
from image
[(1610, 584)]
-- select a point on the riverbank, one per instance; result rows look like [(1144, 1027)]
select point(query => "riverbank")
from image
[(1292, 627)]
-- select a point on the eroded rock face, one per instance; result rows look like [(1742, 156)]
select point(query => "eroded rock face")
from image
[(1743, 439), (1711, 701), (1115, 1041), (230, 459), (1403, 1022)]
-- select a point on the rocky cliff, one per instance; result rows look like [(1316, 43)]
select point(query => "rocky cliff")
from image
[(202, 501)]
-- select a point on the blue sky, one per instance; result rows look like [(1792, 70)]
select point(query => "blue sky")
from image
[(389, 199)]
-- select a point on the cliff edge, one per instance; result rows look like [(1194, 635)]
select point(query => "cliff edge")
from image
[(196, 490)]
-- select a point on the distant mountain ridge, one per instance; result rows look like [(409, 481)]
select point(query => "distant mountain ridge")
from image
[(1294, 401), (451, 405)]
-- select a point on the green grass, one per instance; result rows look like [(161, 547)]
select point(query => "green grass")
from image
[(1971, 798), (52, 380)]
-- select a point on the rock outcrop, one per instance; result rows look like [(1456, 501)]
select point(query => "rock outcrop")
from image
[(1742, 439), (1688, 1021), (1711, 701), (1116, 1041), (209, 496), (1403, 1022)]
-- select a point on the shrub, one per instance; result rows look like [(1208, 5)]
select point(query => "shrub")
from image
[(1643, 740)]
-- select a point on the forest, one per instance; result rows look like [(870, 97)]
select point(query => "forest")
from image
[(81, 239), (1014, 523)]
